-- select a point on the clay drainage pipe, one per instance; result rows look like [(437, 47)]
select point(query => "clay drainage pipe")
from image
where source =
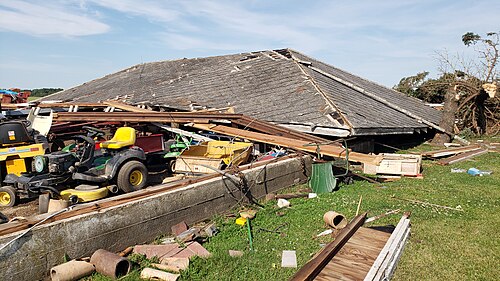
[(335, 220), (70, 271), (110, 264)]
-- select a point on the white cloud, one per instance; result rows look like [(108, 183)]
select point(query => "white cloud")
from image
[(43, 19), (152, 10), (193, 22)]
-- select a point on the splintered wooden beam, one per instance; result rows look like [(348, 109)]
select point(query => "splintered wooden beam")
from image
[(126, 107), (273, 129), (330, 149), (312, 268)]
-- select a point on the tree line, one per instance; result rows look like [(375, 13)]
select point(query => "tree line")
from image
[(44, 91)]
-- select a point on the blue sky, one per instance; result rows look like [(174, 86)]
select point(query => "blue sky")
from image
[(64, 43)]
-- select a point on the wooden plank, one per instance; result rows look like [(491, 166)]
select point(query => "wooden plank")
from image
[(395, 245), (273, 129), (449, 151), (462, 156), (165, 116), (397, 255), (126, 107), (142, 115), (312, 268), (67, 104), (385, 254), (330, 150)]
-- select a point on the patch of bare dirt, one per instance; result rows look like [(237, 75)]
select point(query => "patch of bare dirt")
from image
[(25, 209)]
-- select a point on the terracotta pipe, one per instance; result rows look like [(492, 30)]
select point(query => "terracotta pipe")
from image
[(335, 219), (110, 264)]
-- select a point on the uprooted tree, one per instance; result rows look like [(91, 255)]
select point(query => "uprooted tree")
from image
[(468, 89)]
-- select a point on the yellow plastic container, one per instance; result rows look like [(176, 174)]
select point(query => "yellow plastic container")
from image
[(233, 153), (241, 221), (85, 195), (213, 154)]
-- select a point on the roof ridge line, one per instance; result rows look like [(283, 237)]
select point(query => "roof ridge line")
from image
[(359, 77), (379, 99), (329, 102)]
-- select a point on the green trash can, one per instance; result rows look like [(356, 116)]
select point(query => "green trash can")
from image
[(322, 179)]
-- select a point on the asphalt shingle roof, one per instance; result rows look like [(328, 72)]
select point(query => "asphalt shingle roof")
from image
[(270, 85)]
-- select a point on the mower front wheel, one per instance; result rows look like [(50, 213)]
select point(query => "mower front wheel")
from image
[(8, 196), (132, 176)]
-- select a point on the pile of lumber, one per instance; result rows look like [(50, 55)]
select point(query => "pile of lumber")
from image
[(454, 155), (254, 129)]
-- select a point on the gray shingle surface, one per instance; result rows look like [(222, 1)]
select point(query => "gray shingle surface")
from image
[(412, 104), (264, 85)]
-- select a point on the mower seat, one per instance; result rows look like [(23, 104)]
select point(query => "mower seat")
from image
[(124, 136)]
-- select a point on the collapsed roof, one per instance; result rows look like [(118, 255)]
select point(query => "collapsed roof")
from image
[(280, 86)]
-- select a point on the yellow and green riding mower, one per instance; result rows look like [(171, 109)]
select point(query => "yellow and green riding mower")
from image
[(18, 147), (80, 173)]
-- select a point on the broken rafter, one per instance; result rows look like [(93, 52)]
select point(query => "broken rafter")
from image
[(185, 117), (149, 117), (333, 150), (269, 128), (146, 116)]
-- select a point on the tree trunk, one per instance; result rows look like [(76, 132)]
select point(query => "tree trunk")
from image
[(448, 118), (480, 115)]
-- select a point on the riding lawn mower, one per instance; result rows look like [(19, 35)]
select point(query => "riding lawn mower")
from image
[(83, 170)]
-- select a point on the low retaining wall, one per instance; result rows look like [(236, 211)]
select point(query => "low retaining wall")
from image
[(140, 221)]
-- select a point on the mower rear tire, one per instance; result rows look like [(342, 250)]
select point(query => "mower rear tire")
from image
[(8, 196), (132, 176)]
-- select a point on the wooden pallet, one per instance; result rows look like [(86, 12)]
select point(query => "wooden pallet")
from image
[(358, 253), (395, 164), (356, 257)]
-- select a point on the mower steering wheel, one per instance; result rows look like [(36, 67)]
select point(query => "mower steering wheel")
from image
[(26, 123), (94, 132)]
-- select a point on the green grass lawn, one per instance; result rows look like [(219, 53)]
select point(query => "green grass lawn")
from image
[(444, 244)]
